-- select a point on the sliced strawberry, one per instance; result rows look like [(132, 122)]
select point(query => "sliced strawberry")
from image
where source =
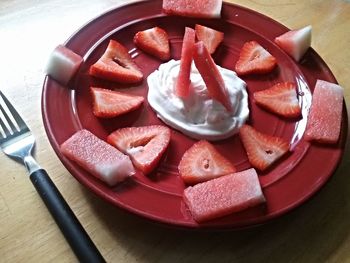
[(281, 99), (210, 37), (211, 75), (116, 65), (262, 149), (153, 41), (183, 80), (253, 58), (203, 162), (108, 103), (145, 145), (295, 42)]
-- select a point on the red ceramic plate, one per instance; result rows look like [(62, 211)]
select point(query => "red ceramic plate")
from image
[(159, 196)]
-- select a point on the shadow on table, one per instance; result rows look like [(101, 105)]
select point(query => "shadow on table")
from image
[(310, 233)]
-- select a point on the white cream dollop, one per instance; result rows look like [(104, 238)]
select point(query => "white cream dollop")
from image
[(198, 115)]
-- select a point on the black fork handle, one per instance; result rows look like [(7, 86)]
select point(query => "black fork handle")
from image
[(75, 234)]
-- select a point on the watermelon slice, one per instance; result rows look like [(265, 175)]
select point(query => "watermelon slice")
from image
[(183, 80), (63, 64), (97, 157), (224, 195), (211, 75), (324, 122), (295, 42), (193, 8)]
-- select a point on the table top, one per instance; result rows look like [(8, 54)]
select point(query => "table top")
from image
[(318, 231)]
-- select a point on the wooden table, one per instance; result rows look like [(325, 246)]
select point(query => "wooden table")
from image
[(318, 231)]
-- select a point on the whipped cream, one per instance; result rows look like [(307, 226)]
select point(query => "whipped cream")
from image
[(197, 115)]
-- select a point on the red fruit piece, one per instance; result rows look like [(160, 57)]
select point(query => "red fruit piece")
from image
[(295, 42), (108, 103), (210, 37), (224, 195), (153, 41), (281, 99), (203, 162), (253, 58), (211, 75), (183, 80), (193, 8), (324, 121), (97, 157), (145, 145), (116, 65), (63, 64), (262, 149)]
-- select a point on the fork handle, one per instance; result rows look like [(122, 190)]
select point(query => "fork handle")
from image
[(78, 239)]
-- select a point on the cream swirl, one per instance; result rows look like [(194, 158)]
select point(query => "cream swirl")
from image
[(198, 115)]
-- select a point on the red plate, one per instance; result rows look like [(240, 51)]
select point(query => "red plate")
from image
[(159, 196)]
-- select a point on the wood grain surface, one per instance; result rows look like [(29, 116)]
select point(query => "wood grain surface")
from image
[(318, 231)]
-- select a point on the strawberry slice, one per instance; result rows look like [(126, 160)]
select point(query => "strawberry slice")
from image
[(202, 162), (210, 37), (281, 99), (153, 41), (211, 75), (145, 145), (183, 80), (116, 65), (108, 103), (262, 149), (295, 42), (253, 58)]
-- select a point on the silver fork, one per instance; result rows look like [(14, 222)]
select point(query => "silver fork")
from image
[(17, 141)]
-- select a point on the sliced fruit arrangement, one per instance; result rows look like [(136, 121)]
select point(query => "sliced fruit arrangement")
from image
[(211, 75), (224, 195), (98, 157), (154, 41), (324, 121), (193, 8), (63, 64), (254, 59), (202, 162), (108, 103), (281, 99), (116, 65), (183, 80), (145, 145), (295, 42), (262, 149), (218, 189), (210, 37)]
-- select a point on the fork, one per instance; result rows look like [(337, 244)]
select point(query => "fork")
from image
[(17, 141)]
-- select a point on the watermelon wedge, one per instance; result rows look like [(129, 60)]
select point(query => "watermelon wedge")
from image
[(295, 42), (63, 64), (324, 122), (98, 157), (193, 8), (183, 80), (224, 195), (211, 75)]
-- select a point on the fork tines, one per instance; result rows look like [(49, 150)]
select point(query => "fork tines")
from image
[(10, 121)]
